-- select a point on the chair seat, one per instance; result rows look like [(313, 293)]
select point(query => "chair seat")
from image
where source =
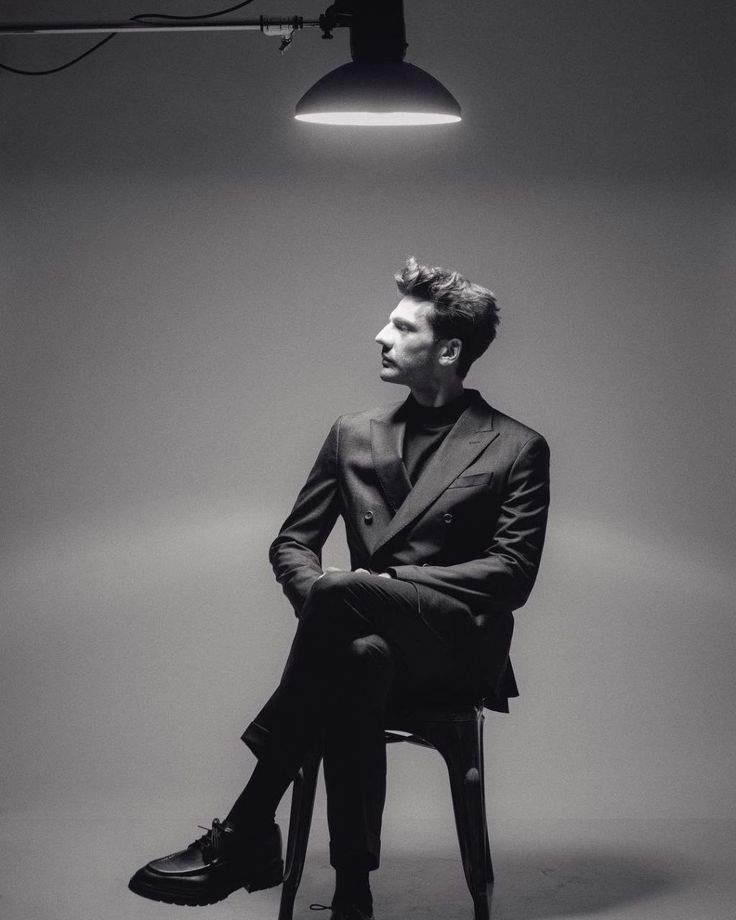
[(428, 711)]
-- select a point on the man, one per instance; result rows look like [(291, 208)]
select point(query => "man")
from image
[(444, 501)]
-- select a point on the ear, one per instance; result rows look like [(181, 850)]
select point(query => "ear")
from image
[(450, 352)]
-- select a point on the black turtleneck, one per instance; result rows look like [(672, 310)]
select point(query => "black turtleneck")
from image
[(426, 429)]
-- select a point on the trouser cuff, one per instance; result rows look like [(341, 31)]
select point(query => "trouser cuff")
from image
[(363, 860), (256, 737)]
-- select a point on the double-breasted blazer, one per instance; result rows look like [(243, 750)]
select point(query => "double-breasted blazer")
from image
[(472, 527)]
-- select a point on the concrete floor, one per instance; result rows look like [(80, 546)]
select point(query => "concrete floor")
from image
[(74, 865)]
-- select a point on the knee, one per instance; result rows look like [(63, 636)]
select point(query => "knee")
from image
[(368, 657), (327, 600), (333, 584), (331, 589), (369, 650), (364, 674)]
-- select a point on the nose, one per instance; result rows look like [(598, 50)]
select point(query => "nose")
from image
[(382, 339)]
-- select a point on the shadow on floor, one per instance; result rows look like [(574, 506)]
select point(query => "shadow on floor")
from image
[(540, 884)]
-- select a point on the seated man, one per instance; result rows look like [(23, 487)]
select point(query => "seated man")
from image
[(444, 501)]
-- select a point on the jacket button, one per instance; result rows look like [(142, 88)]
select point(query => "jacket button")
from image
[(368, 517), (447, 518)]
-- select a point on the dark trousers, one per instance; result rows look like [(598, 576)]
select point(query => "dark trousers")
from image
[(361, 641)]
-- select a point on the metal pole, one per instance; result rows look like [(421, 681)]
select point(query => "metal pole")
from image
[(266, 24)]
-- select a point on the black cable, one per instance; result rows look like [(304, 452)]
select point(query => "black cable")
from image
[(37, 73), (141, 17), (144, 17)]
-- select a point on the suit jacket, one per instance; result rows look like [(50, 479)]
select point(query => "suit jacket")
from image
[(472, 527)]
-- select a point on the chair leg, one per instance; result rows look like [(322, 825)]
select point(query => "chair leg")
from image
[(300, 822), (464, 758), (489, 863)]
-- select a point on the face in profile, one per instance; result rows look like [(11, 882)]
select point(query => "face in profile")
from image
[(409, 351)]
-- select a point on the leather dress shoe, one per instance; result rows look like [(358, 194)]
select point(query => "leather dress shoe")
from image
[(212, 867)]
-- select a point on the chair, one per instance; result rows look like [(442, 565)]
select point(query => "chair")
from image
[(456, 732)]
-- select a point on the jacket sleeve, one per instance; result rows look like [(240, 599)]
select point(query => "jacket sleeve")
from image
[(296, 553), (503, 577)]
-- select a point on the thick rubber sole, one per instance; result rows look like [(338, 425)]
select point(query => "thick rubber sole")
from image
[(157, 890)]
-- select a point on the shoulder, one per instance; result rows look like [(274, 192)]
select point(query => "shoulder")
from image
[(513, 428), (355, 429), (360, 421), (524, 447), (510, 429)]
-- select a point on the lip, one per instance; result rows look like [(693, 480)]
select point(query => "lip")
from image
[(386, 361)]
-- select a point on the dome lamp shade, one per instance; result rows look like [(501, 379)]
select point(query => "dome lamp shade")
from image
[(378, 93), (378, 87)]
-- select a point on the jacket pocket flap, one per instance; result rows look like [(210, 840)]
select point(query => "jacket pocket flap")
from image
[(471, 479)]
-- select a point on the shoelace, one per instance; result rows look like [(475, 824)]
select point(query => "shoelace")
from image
[(355, 911), (210, 841)]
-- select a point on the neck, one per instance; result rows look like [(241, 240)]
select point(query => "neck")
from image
[(438, 394)]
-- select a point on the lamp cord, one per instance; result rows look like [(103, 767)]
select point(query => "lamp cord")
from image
[(141, 17), (39, 73)]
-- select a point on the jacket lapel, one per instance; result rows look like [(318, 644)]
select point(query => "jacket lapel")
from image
[(471, 434), (387, 438)]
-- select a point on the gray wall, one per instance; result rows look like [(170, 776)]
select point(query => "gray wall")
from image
[(190, 286)]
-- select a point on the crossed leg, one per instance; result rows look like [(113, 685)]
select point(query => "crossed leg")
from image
[(360, 639)]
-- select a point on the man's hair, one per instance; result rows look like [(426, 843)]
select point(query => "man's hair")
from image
[(460, 309)]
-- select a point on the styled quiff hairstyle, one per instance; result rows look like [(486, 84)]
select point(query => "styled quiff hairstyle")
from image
[(461, 310)]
